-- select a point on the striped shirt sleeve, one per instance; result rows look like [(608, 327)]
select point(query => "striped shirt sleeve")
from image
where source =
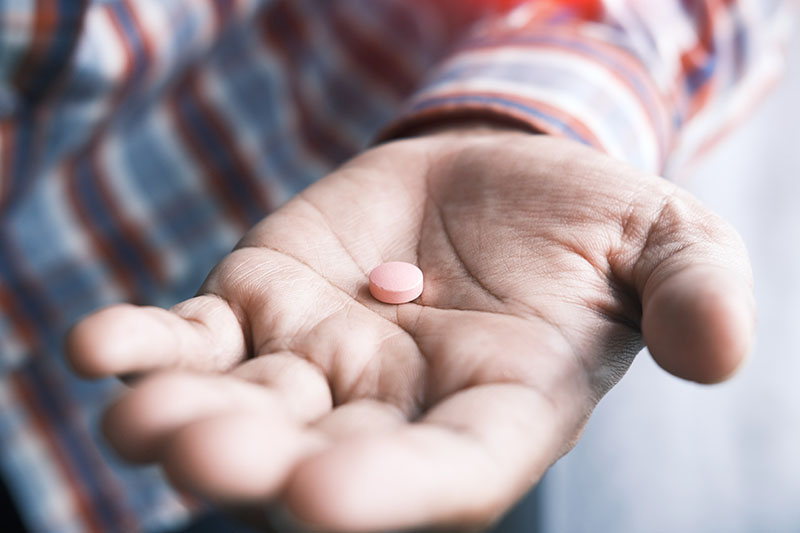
[(651, 83)]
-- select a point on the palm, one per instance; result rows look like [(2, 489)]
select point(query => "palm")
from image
[(359, 414)]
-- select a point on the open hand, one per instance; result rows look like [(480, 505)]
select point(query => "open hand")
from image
[(546, 264)]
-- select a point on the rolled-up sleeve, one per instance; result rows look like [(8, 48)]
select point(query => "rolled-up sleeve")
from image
[(651, 83)]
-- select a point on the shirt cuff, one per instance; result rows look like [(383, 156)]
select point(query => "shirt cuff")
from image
[(573, 81)]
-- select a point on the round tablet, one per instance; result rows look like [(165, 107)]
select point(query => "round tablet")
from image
[(395, 282)]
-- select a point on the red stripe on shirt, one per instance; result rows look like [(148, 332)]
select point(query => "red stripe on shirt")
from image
[(372, 59), (222, 12), (128, 229), (100, 242), (6, 154), (20, 323), (699, 55), (571, 121), (284, 30), (440, 113), (42, 424), (216, 177), (44, 24)]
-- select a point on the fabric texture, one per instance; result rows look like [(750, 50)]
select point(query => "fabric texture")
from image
[(140, 138)]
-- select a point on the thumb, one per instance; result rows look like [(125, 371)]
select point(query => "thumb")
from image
[(695, 282)]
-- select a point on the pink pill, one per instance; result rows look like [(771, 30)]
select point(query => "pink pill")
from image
[(395, 282)]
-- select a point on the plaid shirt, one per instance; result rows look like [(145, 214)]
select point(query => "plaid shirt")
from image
[(140, 138)]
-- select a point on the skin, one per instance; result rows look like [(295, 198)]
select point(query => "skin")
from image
[(547, 265)]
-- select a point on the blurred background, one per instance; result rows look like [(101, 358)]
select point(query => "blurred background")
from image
[(659, 454), (664, 455)]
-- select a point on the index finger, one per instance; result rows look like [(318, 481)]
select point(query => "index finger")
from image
[(202, 333)]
